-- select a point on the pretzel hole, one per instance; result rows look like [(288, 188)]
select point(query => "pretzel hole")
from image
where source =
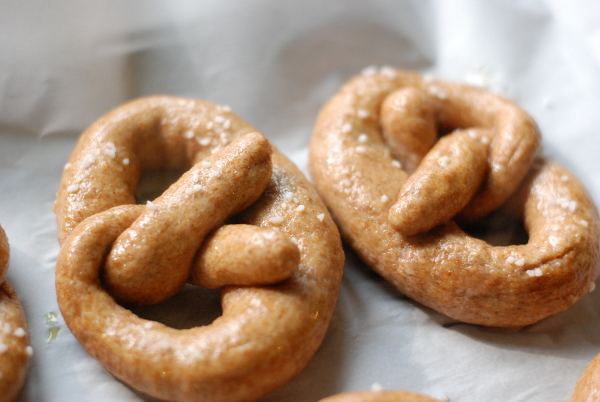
[(498, 229), (192, 306), (153, 182)]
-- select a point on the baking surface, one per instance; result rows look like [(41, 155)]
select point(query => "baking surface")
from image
[(275, 63)]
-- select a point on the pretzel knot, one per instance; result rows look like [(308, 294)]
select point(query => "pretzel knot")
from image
[(395, 190), (278, 259), (14, 335)]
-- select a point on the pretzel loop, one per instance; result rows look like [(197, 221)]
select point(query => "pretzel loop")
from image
[(395, 190), (278, 259)]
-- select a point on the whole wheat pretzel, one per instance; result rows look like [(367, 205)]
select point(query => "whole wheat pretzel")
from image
[(267, 333), (14, 336), (379, 396), (399, 221)]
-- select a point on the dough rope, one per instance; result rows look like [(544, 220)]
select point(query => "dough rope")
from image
[(399, 219), (111, 249), (14, 335)]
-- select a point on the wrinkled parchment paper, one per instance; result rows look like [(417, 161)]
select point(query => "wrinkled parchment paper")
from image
[(64, 64)]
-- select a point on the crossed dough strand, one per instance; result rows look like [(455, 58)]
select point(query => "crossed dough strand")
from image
[(267, 333), (379, 122)]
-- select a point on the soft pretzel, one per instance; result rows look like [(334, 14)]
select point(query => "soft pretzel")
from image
[(142, 254), (399, 221), (14, 336), (380, 396)]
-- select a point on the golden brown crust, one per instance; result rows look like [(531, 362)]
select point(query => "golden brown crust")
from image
[(380, 396), (460, 276), (14, 336), (266, 334)]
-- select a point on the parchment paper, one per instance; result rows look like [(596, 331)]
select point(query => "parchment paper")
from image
[(63, 64)]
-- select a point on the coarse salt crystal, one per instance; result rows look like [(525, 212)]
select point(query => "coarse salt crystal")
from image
[(300, 208), (360, 149), (126, 161), (88, 161), (3, 347), (396, 163), (204, 141), (362, 113), (363, 138), (189, 134), (443, 161), (151, 206), (538, 272), (227, 124), (564, 177), (189, 191), (110, 149), (29, 350), (148, 324), (376, 387), (289, 195), (520, 262), (510, 259), (206, 164), (72, 188), (197, 187), (583, 223), (437, 92), (368, 71), (19, 332), (321, 217), (389, 72), (553, 241), (346, 128), (215, 173), (219, 119), (384, 198), (276, 219), (346, 183)]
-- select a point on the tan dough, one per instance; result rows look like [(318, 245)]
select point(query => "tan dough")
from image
[(267, 333), (376, 116)]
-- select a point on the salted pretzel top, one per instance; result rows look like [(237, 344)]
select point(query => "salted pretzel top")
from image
[(394, 191), (267, 333)]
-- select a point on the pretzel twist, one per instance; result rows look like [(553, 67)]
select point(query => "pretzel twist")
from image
[(14, 335), (400, 220), (280, 264)]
